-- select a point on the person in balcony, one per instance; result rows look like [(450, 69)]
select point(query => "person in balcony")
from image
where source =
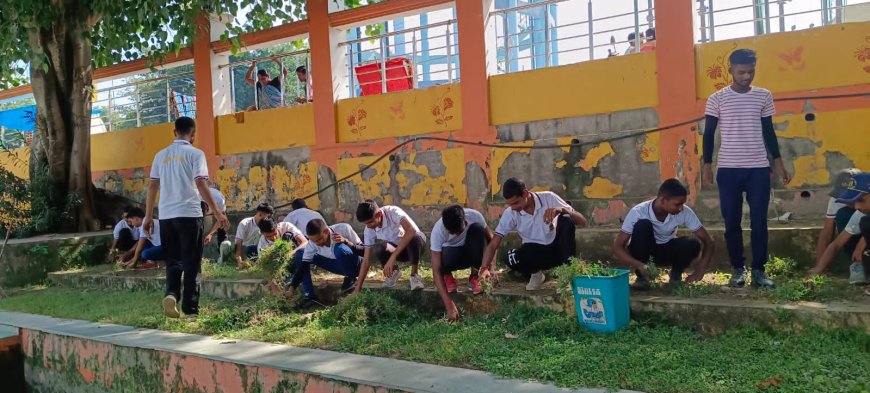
[(268, 89), (650, 44), (652, 228), (632, 42), (546, 225), (744, 115), (302, 75)]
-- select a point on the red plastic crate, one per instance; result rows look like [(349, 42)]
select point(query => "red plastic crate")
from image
[(398, 72)]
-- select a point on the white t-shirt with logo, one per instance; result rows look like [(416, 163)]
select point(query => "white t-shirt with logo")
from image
[(123, 225), (342, 229), (442, 238), (218, 198), (853, 227), (301, 217), (531, 227), (155, 233), (177, 167), (391, 228), (833, 208), (248, 232), (666, 230), (282, 227)]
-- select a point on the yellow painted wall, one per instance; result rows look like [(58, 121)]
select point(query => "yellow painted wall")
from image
[(133, 148), (842, 132), (600, 86), (271, 129), (831, 56), (440, 190), (16, 161), (409, 112)]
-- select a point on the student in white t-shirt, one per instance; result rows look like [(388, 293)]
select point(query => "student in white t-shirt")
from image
[(546, 226), (744, 115), (458, 241), (148, 249), (124, 238), (301, 214), (248, 233), (857, 196), (336, 249), (216, 229), (847, 220), (392, 236), (179, 173), (270, 231), (652, 228)]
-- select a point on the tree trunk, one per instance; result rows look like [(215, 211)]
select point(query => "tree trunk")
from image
[(61, 77)]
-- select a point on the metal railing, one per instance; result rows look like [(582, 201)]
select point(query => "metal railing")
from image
[(243, 95), (535, 35), (728, 19), (144, 102), (404, 59)]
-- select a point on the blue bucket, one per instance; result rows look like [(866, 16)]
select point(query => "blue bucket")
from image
[(602, 302)]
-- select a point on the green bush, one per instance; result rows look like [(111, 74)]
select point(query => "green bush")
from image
[(274, 260), (777, 267), (577, 267), (368, 308)]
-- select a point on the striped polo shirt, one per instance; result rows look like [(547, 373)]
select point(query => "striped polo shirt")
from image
[(739, 117)]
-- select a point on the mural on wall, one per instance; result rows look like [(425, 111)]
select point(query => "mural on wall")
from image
[(718, 71), (792, 60), (356, 121), (863, 54), (440, 110)]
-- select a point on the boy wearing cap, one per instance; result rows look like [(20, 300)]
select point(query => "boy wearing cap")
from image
[(839, 218), (856, 197)]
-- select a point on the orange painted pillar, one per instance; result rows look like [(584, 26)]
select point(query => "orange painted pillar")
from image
[(675, 63), (321, 70), (202, 75), (474, 85)]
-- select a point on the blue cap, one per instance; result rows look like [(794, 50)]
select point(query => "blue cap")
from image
[(859, 184)]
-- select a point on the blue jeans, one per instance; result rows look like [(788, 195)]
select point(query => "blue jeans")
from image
[(733, 182), (151, 252), (250, 251), (346, 263)]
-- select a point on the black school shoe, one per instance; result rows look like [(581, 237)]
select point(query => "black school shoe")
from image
[(348, 285)]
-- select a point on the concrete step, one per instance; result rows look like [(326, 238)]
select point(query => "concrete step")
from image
[(70, 356)]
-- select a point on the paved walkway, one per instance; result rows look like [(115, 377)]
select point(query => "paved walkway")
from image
[(348, 368)]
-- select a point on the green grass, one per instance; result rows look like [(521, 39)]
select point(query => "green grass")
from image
[(550, 346)]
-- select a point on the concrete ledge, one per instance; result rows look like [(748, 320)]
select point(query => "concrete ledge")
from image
[(68, 355), (717, 315), (217, 288)]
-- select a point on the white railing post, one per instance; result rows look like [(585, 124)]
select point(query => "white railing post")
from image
[(383, 67), (711, 22), (507, 44), (449, 55), (414, 57), (168, 102), (636, 27), (702, 15), (591, 34), (547, 35)]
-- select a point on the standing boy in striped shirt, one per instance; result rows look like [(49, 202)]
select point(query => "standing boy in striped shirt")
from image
[(744, 115)]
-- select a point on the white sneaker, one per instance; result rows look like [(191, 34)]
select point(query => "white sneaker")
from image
[(856, 274), (536, 281), (226, 252), (169, 307), (390, 282), (416, 282)]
